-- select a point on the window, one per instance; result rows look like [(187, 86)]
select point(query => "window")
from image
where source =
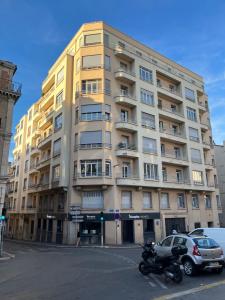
[(58, 122), (91, 86), (90, 139), (21, 125), (107, 112), (164, 174), (195, 201), (196, 155), (126, 170), (148, 120), (107, 86), (91, 168), (23, 202), (145, 74), (108, 171), (179, 241), (167, 242), (179, 176), (208, 202), (180, 200), (28, 133), (107, 63), (193, 134), (191, 114), (147, 200), (149, 145), (92, 39), (29, 116), (25, 183), (60, 76), (92, 199), (218, 201), (124, 115), (197, 177), (126, 200), (26, 166), (147, 97), (106, 40), (190, 94), (78, 65), (108, 139), (91, 112), (57, 147), (91, 61), (56, 173), (59, 99), (150, 171), (164, 203)]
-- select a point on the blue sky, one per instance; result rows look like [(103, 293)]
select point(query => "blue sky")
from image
[(192, 32)]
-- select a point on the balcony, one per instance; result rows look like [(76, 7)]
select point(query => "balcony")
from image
[(207, 145), (34, 151), (42, 186), (169, 133), (46, 119), (127, 125), (99, 179), (10, 88), (46, 141), (169, 89), (47, 99), (125, 76), (33, 168), (171, 157), (92, 146), (174, 114), (44, 163), (124, 150), (204, 125), (123, 53), (175, 183), (131, 180), (37, 114), (125, 100), (32, 187)]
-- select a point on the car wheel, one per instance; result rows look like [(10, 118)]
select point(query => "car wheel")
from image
[(189, 267)]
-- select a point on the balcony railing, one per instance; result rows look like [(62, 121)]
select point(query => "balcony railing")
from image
[(172, 111), (172, 132), (92, 146), (10, 86), (91, 175), (163, 86), (175, 180), (124, 146), (174, 155)]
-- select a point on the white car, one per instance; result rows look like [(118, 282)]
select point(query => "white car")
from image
[(218, 234)]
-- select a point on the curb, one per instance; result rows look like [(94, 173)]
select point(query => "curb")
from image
[(72, 246)]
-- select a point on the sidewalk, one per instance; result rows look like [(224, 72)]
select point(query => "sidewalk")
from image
[(131, 246)]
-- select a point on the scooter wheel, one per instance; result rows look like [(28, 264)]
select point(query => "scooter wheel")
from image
[(178, 277), (142, 268)]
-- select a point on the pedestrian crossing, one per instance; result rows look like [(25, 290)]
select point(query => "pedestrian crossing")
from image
[(155, 281)]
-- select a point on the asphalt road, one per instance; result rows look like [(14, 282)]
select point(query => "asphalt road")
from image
[(39, 272)]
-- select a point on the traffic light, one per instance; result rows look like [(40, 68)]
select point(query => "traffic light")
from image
[(3, 216), (101, 216)]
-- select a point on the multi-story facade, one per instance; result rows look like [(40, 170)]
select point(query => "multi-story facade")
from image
[(220, 168), (119, 129), (10, 92)]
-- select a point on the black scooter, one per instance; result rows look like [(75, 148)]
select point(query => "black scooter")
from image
[(169, 265)]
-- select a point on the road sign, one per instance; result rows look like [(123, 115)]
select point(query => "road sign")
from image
[(117, 216)]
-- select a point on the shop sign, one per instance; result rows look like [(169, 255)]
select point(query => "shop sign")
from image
[(77, 218)]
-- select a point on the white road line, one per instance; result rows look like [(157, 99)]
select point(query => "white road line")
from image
[(151, 284), (191, 291), (158, 281)]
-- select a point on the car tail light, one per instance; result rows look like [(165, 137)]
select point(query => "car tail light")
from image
[(196, 251)]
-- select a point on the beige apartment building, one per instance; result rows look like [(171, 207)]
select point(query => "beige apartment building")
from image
[(10, 92), (119, 129)]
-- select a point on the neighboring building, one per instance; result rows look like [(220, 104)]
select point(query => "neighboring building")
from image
[(220, 168), (120, 129), (9, 94)]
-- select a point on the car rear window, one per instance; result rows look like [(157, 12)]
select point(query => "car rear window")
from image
[(206, 243)]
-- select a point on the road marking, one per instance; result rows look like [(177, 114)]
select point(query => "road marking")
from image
[(158, 281), (191, 291), (151, 284)]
